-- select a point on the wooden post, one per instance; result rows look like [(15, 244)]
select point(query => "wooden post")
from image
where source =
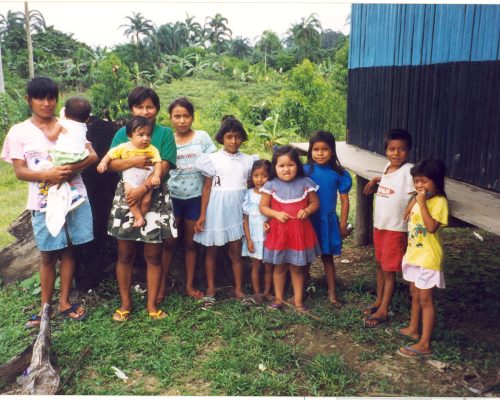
[(363, 232), (28, 40)]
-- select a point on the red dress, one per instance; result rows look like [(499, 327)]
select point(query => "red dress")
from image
[(292, 242)]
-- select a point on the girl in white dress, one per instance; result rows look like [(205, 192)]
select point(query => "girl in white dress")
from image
[(253, 225), (221, 220)]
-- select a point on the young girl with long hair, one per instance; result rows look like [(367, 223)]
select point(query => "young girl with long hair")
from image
[(324, 168), (423, 260), (289, 199)]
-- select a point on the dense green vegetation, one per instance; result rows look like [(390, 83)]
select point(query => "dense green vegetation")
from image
[(299, 80)]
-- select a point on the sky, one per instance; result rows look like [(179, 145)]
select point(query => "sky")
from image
[(97, 23)]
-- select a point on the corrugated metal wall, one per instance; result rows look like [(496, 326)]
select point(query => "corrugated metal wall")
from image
[(434, 70)]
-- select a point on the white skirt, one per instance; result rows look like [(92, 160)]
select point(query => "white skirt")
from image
[(422, 277)]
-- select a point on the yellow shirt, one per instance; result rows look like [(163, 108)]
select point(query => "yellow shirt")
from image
[(425, 249), (127, 150)]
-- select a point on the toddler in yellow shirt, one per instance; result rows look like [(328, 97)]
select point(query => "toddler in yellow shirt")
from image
[(139, 132)]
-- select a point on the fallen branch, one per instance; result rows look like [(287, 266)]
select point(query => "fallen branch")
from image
[(16, 365)]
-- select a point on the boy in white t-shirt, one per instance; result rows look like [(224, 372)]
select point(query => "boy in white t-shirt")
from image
[(395, 188)]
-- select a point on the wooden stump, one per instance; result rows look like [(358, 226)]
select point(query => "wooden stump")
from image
[(363, 232)]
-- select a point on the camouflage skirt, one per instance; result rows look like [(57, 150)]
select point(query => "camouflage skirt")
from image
[(160, 222)]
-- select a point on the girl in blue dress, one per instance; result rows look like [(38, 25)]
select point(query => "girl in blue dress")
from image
[(221, 219), (253, 226), (324, 168)]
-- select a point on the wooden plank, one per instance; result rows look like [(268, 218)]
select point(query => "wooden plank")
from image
[(468, 203)]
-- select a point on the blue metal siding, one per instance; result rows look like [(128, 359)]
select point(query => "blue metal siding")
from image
[(409, 34)]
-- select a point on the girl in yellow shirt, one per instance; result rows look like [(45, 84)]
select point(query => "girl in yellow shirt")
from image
[(423, 260)]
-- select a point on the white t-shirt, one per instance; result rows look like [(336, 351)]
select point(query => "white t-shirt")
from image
[(27, 142), (74, 139), (186, 181), (394, 193)]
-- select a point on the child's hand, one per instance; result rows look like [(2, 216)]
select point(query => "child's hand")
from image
[(421, 197), (281, 216), (102, 167), (155, 181), (251, 246), (267, 227), (303, 214), (343, 231), (199, 226), (370, 187)]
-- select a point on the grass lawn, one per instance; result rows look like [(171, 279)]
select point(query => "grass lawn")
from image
[(13, 195), (234, 350)]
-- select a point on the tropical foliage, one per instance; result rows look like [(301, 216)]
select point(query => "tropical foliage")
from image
[(307, 69)]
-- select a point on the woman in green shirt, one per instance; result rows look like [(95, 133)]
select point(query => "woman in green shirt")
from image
[(159, 226)]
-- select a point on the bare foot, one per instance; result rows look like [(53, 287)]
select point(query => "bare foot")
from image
[(371, 309), (139, 222), (195, 294)]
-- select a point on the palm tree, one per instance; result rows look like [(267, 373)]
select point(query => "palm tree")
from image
[(195, 31), (240, 47), (138, 26), (217, 31), (268, 43), (11, 21), (306, 36)]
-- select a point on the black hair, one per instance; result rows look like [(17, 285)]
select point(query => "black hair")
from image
[(230, 124), (290, 152), (77, 108), (329, 139), (397, 134), (42, 88), (266, 164), (182, 102), (136, 123), (435, 170), (140, 94)]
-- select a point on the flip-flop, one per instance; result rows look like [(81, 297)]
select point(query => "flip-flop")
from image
[(197, 295), (416, 354), (248, 301), (379, 321), (336, 304), (73, 309), (302, 309), (397, 331), (275, 306), (121, 316), (33, 322), (370, 310), (208, 301), (157, 315)]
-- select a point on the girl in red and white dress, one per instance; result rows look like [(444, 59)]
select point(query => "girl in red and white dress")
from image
[(288, 199)]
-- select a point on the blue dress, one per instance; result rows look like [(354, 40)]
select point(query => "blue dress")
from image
[(255, 223), (224, 215), (325, 220)]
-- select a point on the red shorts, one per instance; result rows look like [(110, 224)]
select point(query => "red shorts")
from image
[(390, 247)]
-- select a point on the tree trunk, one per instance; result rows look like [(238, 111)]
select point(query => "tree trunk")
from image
[(28, 40)]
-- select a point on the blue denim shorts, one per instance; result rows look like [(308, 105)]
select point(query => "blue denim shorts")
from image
[(78, 229), (187, 208)]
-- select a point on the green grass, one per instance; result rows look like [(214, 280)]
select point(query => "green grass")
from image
[(13, 195)]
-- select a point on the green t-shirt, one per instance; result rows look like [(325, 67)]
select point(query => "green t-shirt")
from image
[(162, 139)]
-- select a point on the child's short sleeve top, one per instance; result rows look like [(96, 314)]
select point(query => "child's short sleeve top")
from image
[(126, 150), (27, 142), (228, 171), (289, 192), (394, 193), (162, 138), (74, 139), (329, 182), (186, 181), (425, 249)]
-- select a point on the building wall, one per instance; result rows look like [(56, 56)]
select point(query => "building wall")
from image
[(434, 70)]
